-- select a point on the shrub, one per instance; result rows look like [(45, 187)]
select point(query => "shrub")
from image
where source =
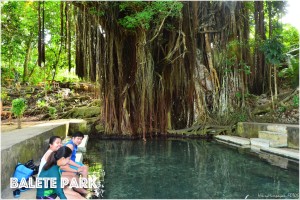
[(52, 112), (18, 107)]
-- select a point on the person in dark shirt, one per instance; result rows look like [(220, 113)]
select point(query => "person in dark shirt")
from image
[(51, 170)]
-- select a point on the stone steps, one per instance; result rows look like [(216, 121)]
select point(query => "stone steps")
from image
[(251, 130), (271, 139), (233, 140), (282, 152), (258, 144), (277, 128), (277, 139), (79, 157), (274, 136)]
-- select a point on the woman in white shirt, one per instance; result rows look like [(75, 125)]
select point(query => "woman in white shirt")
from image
[(55, 143)]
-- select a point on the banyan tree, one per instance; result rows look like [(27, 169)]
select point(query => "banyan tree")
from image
[(165, 65)]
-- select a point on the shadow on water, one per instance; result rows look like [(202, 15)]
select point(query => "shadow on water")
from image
[(175, 168)]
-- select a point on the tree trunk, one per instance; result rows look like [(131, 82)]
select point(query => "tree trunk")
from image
[(259, 73), (275, 83), (19, 122), (27, 58), (150, 79)]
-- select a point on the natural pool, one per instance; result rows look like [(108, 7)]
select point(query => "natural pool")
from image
[(181, 169)]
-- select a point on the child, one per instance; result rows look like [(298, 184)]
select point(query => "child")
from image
[(73, 166)]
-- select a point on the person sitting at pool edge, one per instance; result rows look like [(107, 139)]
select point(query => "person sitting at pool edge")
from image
[(54, 145), (51, 170), (73, 166)]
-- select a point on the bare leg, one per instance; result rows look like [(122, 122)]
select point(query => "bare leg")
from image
[(70, 194), (70, 176), (85, 171)]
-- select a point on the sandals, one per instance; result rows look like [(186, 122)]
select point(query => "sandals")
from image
[(16, 193), (23, 189)]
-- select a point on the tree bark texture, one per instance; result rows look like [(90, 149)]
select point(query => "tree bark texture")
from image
[(161, 78), (259, 72)]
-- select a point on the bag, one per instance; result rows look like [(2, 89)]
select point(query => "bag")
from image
[(22, 171), (30, 164)]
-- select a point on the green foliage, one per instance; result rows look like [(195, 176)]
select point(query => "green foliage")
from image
[(94, 11), (41, 103), (245, 68), (291, 45), (58, 96), (62, 105), (292, 71), (47, 87), (20, 28), (290, 37), (19, 24), (18, 107), (64, 75), (96, 167), (281, 109), (52, 112), (241, 117), (238, 95), (273, 49), (4, 95), (230, 61), (142, 14), (296, 101)]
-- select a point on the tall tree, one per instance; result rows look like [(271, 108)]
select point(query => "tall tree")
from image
[(259, 72)]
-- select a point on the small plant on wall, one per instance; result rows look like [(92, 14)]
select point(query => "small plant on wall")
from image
[(18, 109)]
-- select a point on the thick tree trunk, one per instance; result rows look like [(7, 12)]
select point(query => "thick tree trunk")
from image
[(260, 74), (27, 58), (150, 79)]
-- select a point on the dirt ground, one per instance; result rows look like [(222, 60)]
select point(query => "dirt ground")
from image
[(26, 122)]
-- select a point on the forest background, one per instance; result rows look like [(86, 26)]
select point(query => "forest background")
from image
[(154, 66)]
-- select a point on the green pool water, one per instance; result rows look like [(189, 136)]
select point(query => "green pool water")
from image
[(187, 169)]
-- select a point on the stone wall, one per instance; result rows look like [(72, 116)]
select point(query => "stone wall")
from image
[(293, 136), (32, 148), (77, 125), (250, 130)]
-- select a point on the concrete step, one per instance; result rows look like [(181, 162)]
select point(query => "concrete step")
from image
[(278, 139), (233, 139), (250, 130), (288, 153), (82, 146), (259, 142), (79, 157), (277, 128)]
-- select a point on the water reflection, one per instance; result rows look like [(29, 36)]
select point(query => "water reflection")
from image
[(187, 169)]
